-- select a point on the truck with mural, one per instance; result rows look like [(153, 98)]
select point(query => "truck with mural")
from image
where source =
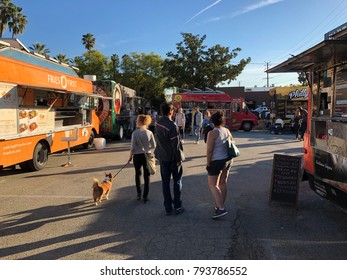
[(43, 104), (237, 114), (117, 109), (325, 140)]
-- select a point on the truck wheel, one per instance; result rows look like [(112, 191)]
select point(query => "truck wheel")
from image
[(89, 144), (40, 157), (246, 126)]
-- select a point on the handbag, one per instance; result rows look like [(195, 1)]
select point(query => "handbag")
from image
[(150, 160), (233, 151)]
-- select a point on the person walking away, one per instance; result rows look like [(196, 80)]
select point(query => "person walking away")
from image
[(207, 124), (218, 165), (197, 123), (168, 152), (303, 120), (142, 140), (180, 120), (297, 122)]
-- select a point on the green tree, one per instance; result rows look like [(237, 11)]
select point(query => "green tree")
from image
[(114, 65), (143, 72), (40, 49), (88, 41), (18, 22), (196, 66), (92, 63), (7, 9), (302, 78)]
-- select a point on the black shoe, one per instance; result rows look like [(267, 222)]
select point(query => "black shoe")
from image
[(169, 212), (145, 199), (179, 210), (219, 213), (139, 196)]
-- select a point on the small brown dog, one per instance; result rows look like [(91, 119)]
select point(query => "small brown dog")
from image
[(102, 190)]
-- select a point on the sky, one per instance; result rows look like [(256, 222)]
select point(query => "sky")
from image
[(267, 31)]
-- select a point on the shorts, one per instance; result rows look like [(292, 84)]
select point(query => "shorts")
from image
[(217, 166)]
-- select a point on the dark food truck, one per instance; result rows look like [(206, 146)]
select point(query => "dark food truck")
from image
[(325, 141)]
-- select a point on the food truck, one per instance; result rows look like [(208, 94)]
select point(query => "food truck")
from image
[(237, 114), (44, 107), (285, 100), (116, 110), (325, 140)]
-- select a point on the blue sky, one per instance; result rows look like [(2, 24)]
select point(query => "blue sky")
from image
[(268, 31)]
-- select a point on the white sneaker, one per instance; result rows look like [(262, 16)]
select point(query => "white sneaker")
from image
[(182, 141), (197, 142)]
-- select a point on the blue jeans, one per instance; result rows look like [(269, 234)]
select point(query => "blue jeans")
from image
[(197, 132), (168, 168)]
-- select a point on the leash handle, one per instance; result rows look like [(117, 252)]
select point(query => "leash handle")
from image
[(120, 169)]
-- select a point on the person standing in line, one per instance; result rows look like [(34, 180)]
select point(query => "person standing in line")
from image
[(218, 165), (207, 124), (180, 120), (142, 140), (303, 122), (296, 126), (169, 152), (197, 123)]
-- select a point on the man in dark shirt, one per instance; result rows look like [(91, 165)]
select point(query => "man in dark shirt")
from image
[(303, 120), (169, 152)]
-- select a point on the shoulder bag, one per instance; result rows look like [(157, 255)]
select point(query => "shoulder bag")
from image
[(233, 151)]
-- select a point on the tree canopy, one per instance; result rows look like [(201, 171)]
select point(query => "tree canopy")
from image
[(196, 66)]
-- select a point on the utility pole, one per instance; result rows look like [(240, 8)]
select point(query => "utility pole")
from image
[(267, 73)]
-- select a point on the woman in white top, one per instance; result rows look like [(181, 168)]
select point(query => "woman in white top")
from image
[(218, 165), (142, 140)]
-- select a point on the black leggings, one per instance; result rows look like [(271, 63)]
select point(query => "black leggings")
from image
[(139, 164)]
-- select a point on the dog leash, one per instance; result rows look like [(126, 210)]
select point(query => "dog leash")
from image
[(121, 169)]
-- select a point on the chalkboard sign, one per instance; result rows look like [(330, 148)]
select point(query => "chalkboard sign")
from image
[(285, 178)]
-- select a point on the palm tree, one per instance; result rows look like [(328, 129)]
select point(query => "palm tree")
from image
[(6, 11), (40, 49), (88, 41), (18, 23), (62, 58)]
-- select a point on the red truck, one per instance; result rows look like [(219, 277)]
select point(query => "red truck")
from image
[(237, 114)]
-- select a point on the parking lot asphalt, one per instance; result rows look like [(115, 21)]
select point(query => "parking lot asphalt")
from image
[(49, 214)]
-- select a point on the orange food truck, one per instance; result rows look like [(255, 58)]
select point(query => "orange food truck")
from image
[(325, 140), (237, 114), (43, 104)]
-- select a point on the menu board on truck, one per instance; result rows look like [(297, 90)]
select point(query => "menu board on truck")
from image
[(8, 112), (35, 121)]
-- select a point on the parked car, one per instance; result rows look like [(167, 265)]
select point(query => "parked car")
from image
[(262, 108)]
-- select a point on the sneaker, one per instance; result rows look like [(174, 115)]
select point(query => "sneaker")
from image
[(145, 200), (219, 213), (169, 212), (197, 142), (179, 210), (138, 196), (182, 141)]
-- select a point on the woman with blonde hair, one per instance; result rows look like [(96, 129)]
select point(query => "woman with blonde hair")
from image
[(142, 141)]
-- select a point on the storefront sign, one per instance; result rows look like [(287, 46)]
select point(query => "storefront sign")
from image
[(297, 94)]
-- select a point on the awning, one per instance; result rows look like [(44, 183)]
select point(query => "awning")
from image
[(92, 95), (321, 56), (67, 91)]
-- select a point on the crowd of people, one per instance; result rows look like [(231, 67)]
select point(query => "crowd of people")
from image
[(297, 125), (166, 140)]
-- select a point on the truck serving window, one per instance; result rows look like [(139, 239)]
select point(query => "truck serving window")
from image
[(340, 108)]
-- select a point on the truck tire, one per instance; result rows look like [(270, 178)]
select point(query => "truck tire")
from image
[(40, 157), (247, 126), (89, 144)]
